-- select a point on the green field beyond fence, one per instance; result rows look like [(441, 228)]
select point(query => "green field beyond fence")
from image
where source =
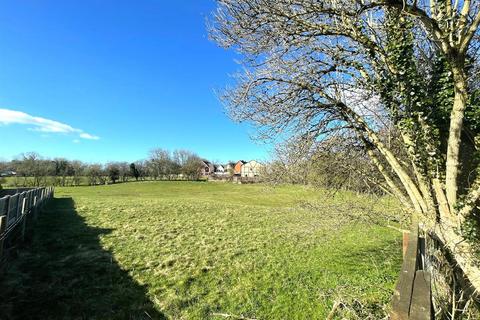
[(30, 182), (185, 250)]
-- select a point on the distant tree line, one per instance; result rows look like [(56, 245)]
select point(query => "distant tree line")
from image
[(31, 169), (329, 164)]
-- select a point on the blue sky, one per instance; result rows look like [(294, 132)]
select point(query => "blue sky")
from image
[(109, 80)]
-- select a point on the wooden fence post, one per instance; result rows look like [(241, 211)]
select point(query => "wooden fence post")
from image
[(42, 198), (12, 209), (412, 297), (34, 207), (421, 308), (24, 218), (403, 290), (3, 227)]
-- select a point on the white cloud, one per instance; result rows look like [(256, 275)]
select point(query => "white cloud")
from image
[(41, 124), (88, 136)]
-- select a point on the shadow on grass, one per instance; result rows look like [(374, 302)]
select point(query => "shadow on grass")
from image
[(64, 273)]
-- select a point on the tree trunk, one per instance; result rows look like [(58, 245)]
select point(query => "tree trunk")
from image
[(410, 187), (394, 188), (454, 138), (423, 183), (461, 251)]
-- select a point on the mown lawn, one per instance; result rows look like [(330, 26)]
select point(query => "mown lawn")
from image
[(185, 250)]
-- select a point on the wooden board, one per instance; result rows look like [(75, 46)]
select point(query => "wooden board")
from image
[(4, 205), (12, 210), (421, 307), (403, 290)]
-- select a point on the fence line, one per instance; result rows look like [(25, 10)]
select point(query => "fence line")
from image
[(412, 297), (16, 209)]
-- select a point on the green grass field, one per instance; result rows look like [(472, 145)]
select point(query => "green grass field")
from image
[(185, 250)]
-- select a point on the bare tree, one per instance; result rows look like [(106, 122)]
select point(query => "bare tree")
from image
[(353, 68), (142, 169), (124, 170), (61, 170), (134, 172), (161, 162), (77, 171), (113, 171), (94, 174)]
